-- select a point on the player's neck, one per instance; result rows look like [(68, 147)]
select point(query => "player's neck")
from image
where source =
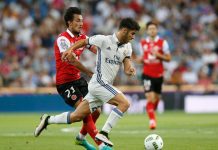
[(76, 34), (152, 38), (119, 37)]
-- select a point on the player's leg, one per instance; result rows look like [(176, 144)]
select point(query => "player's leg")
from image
[(95, 115), (99, 93), (116, 114), (150, 97), (158, 90), (88, 125), (72, 96), (157, 100), (149, 86), (64, 118), (83, 88), (82, 111), (68, 93), (69, 117)]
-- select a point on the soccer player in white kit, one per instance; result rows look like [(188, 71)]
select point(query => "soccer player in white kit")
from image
[(113, 51)]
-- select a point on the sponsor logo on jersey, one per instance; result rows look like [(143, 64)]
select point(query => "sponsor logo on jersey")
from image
[(115, 61)]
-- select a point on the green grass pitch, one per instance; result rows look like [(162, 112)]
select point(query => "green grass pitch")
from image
[(179, 131)]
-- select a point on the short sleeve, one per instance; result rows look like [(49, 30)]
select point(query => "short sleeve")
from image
[(88, 46), (166, 49), (63, 43), (96, 40), (128, 51)]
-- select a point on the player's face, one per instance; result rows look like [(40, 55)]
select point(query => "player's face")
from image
[(77, 24), (152, 30), (129, 35)]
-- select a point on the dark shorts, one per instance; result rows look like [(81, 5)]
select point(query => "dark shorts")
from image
[(152, 84), (73, 91)]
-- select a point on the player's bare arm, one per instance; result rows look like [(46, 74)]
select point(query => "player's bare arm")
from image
[(137, 59), (164, 57), (82, 68), (68, 55), (128, 67), (93, 49)]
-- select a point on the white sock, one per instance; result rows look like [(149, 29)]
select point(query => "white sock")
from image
[(101, 145), (63, 118), (81, 136), (114, 116)]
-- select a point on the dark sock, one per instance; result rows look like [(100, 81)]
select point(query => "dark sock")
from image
[(104, 133)]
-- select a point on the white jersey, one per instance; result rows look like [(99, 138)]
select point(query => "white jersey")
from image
[(110, 56)]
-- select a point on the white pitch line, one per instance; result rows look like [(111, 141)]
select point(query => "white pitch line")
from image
[(74, 129), (16, 134), (120, 131)]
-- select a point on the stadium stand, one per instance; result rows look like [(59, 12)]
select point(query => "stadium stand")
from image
[(28, 29)]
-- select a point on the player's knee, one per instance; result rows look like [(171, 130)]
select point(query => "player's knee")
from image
[(150, 98), (75, 117), (97, 113), (126, 104)]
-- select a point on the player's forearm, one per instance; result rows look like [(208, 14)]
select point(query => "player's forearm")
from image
[(139, 60), (127, 71), (166, 58), (82, 68), (93, 49), (78, 44), (128, 67), (68, 55)]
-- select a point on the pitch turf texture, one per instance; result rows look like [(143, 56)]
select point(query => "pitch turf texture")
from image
[(179, 131)]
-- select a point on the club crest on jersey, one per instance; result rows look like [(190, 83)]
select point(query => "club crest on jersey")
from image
[(109, 48), (73, 97), (63, 44)]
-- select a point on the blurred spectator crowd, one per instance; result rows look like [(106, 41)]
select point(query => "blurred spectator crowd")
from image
[(28, 29)]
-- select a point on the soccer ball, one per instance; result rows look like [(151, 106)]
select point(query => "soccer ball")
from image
[(153, 142)]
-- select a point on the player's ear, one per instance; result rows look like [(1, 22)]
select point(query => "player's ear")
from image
[(68, 23), (125, 30)]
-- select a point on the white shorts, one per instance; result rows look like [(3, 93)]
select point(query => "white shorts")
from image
[(100, 93)]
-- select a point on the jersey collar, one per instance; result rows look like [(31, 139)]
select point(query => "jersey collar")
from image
[(155, 39), (116, 40), (71, 34)]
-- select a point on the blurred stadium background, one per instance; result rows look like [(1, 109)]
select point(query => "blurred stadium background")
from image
[(28, 29)]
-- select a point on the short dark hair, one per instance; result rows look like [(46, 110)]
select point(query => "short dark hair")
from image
[(129, 23), (69, 14), (151, 23)]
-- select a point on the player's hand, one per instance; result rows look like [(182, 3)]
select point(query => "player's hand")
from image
[(155, 51), (131, 72), (90, 74), (68, 56), (65, 55)]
